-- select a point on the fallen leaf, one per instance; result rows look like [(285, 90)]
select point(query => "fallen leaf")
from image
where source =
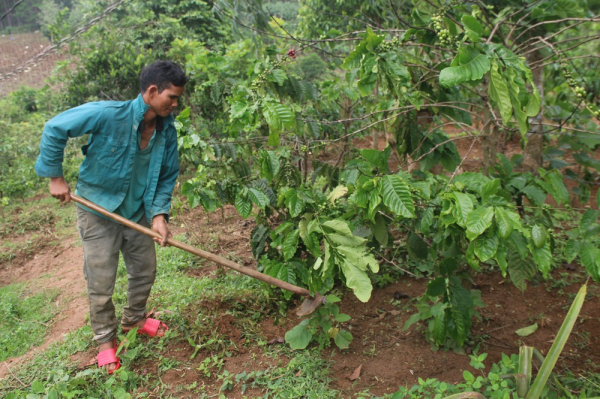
[(526, 331), (299, 373), (356, 373), (395, 312), (381, 316), (277, 340), (400, 295)]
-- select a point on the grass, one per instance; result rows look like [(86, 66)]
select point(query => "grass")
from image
[(196, 306), (23, 318)]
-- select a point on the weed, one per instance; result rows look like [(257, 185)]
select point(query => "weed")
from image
[(24, 318)]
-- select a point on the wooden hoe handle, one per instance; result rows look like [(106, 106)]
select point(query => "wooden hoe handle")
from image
[(206, 255)]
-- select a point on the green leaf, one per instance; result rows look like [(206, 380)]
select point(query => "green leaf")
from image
[(290, 244), (527, 331), (514, 88), (464, 205), (340, 226), (396, 196), (342, 317), (343, 339), (243, 205), (539, 384), (520, 270), (559, 191), (588, 219), (498, 91), (472, 27), (503, 222), (278, 76), (539, 235), (269, 164), (336, 193), (590, 259), (417, 248), (490, 189), (472, 66), (534, 104), (486, 247), (572, 249), (294, 203), (299, 337), (536, 195), (436, 287), (478, 221), (380, 231), (543, 257), (357, 280), (258, 197)]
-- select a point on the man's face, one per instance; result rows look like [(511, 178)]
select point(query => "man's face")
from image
[(164, 102)]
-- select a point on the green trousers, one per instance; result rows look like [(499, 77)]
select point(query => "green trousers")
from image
[(102, 240)]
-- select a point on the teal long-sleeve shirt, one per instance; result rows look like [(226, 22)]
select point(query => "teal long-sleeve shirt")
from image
[(106, 171)]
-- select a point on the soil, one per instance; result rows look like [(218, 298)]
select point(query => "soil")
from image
[(16, 49), (389, 357)]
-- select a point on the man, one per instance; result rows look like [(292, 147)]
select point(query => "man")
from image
[(130, 168)]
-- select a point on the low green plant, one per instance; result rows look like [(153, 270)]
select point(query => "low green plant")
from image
[(321, 327), (24, 318)]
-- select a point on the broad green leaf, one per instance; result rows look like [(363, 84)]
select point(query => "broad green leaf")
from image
[(336, 193), (486, 247), (559, 191), (396, 196), (258, 197), (243, 205), (417, 247), (343, 339), (590, 259), (472, 27), (527, 331), (478, 221), (513, 89), (498, 91), (535, 194), (339, 239), (503, 222), (588, 219), (290, 244), (534, 104), (269, 164), (278, 76), (501, 258), (464, 205), (299, 337), (380, 230), (490, 189), (572, 249), (357, 280), (294, 203), (519, 243), (543, 258), (520, 269), (436, 287), (472, 65), (342, 317), (358, 257), (539, 235), (340, 226)]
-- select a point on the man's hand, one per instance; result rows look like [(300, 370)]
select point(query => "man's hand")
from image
[(60, 189), (160, 226)]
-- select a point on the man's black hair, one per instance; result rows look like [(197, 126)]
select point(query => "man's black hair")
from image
[(163, 74)]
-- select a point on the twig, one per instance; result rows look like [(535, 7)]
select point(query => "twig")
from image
[(461, 162), (15, 377), (30, 321), (10, 9), (398, 267)]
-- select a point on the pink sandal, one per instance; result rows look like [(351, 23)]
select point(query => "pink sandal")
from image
[(151, 327), (109, 356)]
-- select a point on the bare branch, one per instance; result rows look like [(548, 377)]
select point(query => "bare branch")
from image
[(556, 21)]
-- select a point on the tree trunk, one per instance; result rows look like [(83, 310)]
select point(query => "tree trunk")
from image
[(533, 159)]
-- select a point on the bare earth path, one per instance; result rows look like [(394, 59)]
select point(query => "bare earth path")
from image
[(57, 268)]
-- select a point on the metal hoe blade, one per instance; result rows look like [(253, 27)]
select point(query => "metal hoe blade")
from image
[(310, 304)]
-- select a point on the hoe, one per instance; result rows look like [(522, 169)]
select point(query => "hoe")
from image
[(309, 305)]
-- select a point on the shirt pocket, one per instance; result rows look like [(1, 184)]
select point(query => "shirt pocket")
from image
[(111, 153)]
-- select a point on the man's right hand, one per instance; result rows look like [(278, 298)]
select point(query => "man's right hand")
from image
[(60, 189)]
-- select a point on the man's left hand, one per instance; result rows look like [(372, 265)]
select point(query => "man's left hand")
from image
[(159, 225)]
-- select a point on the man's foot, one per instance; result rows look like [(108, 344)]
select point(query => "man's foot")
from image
[(107, 356), (149, 326)]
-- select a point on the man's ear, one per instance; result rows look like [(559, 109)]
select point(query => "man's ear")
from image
[(152, 91)]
